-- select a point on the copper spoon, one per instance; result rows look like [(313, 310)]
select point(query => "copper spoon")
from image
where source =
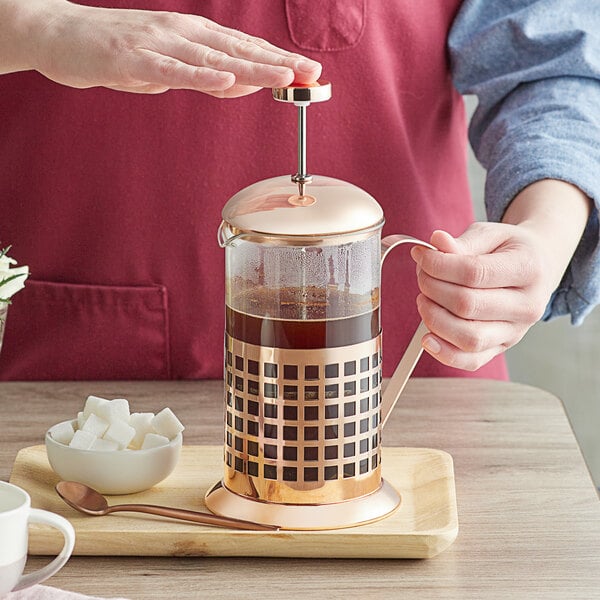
[(87, 500)]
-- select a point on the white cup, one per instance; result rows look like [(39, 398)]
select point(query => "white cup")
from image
[(15, 515)]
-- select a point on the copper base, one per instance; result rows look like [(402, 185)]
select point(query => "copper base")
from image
[(305, 517)]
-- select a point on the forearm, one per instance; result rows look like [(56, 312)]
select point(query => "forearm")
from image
[(557, 213)]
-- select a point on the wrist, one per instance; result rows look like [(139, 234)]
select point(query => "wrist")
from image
[(22, 23)]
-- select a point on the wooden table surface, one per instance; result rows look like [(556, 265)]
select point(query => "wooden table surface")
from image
[(528, 510)]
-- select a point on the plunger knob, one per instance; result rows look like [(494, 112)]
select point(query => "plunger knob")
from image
[(301, 93)]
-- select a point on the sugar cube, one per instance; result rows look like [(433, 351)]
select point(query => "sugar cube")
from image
[(82, 440), (108, 425), (167, 424), (120, 432), (104, 445), (114, 410), (63, 432), (95, 425), (153, 440), (92, 404), (142, 423)]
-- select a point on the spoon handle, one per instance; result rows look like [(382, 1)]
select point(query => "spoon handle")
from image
[(191, 515)]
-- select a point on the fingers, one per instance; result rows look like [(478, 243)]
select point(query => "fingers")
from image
[(145, 88), (462, 343), (235, 91), (493, 304), (483, 271), (223, 66), (152, 72), (452, 356), (241, 45), (247, 71), (468, 335), (149, 67)]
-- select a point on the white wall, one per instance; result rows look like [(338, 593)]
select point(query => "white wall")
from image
[(556, 356)]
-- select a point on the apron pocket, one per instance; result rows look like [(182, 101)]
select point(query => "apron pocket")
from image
[(327, 25), (63, 331)]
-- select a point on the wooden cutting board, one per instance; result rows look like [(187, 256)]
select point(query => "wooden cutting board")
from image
[(425, 524)]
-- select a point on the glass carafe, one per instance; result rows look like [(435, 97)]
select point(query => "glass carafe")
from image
[(303, 402)]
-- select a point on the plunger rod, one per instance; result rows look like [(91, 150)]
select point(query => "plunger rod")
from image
[(301, 177), (301, 95), (302, 144)]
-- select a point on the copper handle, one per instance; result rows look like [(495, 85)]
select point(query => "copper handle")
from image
[(190, 515), (413, 351)]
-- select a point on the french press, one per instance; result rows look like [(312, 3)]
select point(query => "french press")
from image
[(304, 408)]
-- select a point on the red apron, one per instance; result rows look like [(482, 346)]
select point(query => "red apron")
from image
[(114, 199)]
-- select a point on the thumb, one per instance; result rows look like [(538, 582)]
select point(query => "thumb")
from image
[(479, 238), (444, 242)]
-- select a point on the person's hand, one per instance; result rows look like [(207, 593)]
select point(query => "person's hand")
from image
[(481, 292), (151, 52)]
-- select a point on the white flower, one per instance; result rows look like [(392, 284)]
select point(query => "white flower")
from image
[(11, 279)]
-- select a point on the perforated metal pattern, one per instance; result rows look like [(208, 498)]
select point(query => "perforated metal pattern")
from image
[(302, 418)]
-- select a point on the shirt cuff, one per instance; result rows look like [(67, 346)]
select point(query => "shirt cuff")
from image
[(549, 129)]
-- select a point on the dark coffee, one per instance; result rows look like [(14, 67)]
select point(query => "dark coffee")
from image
[(307, 318)]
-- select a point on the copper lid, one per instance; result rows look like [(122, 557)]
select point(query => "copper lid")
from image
[(330, 207)]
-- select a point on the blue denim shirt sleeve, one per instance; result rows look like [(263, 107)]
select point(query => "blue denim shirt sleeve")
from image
[(535, 68)]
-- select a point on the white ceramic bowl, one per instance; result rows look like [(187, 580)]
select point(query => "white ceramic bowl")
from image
[(116, 471)]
